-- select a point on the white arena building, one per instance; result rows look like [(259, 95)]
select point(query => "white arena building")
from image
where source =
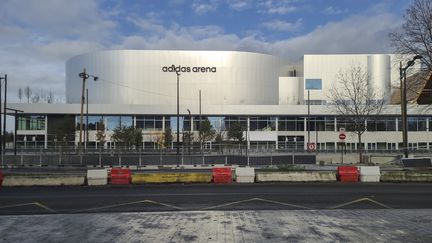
[(265, 93)]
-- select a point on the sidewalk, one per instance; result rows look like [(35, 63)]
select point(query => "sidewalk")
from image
[(375, 225)]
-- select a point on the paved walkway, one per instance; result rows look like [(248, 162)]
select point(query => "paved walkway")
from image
[(373, 225)]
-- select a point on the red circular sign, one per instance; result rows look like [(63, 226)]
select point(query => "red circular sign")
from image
[(311, 146), (342, 136)]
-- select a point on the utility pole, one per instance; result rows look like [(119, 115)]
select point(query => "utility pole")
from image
[(178, 119), (16, 127), (84, 77), (87, 120), (1, 133), (4, 116), (404, 112)]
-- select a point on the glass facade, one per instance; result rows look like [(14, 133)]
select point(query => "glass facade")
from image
[(262, 123), (296, 124), (381, 124), (31, 122), (313, 84), (415, 124), (322, 123), (149, 123), (291, 123)]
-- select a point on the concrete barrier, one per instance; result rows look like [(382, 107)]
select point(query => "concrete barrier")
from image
[(44, 180), (171, 178), (245, 175), (369, 173), (97, 177), (296, 176), (406, 176)]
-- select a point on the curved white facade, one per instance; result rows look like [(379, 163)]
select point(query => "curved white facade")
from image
[(379, 75), (147, 77)]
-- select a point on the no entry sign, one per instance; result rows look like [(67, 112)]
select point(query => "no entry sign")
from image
[(342, 136)]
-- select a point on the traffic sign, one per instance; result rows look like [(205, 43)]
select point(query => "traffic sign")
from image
[(342, 136), (311, 146)]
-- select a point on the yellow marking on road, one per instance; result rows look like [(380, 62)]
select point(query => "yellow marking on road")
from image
[(128, 203), (44, 207), (254, 199), (17, 205), (29, 204), (365, 199)]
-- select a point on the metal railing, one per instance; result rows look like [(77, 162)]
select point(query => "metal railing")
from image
[(262, 155)]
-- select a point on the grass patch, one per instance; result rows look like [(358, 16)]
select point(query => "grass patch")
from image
[(285, 167)]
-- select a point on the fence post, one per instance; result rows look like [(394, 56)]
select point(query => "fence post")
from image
[(22, 158), (140, 159), (160, 156), (182, 156), (60, 156), (40, 157), (271, 157), (119, 158), (81, 158), (100, 157)]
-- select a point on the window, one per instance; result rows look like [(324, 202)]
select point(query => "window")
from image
[(149, 123), (291, 123), (349, 123), (381, 124), (262, 123), (415, 124), (321, 123), (313, 84), (118, 121), (233, 119), (31, 122)]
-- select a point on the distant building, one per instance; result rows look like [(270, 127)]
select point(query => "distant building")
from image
[(266, 94)]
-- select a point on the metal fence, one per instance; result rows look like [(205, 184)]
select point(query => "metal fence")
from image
[(193, 155), (229, 155)]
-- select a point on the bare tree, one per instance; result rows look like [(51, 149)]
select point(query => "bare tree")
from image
[(415, 35), (35, 98), (20, 94), (28, 93), (50, 98), (351, 98)]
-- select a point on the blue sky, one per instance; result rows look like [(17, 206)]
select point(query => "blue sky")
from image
[(38, 36)]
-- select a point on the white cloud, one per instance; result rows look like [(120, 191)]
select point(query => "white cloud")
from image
[(330, 10), (278, 6), (34, 46), (239, 5), (280, 25), (201, 7)]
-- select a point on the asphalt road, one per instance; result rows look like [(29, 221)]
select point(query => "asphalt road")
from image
[(198, 197)]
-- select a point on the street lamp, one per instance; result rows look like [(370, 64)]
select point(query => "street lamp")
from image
[(16, 127), (84, 77), (402, 73), (178, 119), (1, 133), (190, 131)]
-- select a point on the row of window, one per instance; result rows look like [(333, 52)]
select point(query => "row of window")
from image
[(223, 123)]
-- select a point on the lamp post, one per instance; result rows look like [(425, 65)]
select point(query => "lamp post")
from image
[(16, 127), (402, 73), (1, 133), (178, 119), (4, 115), (84, 77), (190, 132)]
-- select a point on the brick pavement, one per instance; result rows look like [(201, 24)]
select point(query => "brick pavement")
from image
[(359, 225)]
